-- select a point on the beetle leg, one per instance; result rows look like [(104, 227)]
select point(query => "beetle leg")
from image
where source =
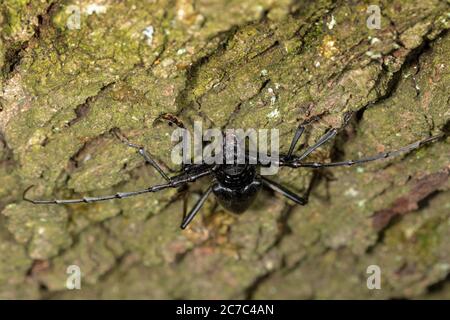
[(284, 191), (175, 182), (296, 163), (196, 208), (327, 136), (297, 136), (141, 150)]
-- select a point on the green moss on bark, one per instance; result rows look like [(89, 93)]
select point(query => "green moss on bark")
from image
[(249, 64)]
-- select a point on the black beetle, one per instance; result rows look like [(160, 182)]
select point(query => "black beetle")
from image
[(237, 185)]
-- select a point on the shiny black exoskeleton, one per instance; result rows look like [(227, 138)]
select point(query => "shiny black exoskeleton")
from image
[(237, 185)]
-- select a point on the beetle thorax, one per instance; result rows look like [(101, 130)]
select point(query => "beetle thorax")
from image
[(235, 175)]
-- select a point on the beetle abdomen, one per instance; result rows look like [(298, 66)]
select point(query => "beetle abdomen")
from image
[(237, 200)]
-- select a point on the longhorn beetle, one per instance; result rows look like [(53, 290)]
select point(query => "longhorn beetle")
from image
[(236, 185)]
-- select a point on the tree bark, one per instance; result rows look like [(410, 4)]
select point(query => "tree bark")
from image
[(70, 72)]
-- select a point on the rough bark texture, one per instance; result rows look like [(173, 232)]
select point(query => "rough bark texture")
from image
[(237, 64)]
